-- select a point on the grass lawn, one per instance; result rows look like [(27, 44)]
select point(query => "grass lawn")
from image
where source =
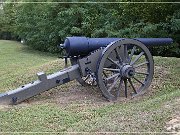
[(74, 108)]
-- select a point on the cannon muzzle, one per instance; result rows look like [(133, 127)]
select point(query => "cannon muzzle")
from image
[(82, 46)]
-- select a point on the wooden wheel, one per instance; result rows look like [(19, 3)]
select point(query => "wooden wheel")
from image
[(125, 67)]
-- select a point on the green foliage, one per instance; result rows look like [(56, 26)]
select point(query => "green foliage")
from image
[(45, 25), (37, 27), (7, 21)]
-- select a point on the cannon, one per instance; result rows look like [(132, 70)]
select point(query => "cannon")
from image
[(120, 67)]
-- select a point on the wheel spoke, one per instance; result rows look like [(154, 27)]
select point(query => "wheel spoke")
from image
[(114, 83), (118, 56), (125, 84), (142, 73), (132, 53), (112, 61), (132, 86), (111, 69), (146, 62), (126, 53), (138, 80), (137, 58), (112, 77), (120, 87)]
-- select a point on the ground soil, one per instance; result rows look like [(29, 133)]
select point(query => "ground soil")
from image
[(91, 97)]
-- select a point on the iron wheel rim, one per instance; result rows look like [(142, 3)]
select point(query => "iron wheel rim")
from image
[(147, 79)]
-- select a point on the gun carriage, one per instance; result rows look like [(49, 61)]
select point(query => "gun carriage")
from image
[(118, 66)]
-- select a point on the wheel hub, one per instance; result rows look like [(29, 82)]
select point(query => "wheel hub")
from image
[(127, 71)]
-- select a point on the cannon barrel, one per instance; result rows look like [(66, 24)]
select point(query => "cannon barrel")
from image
[(75, 46)]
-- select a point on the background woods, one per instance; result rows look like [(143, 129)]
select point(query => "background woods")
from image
[(45, 25)]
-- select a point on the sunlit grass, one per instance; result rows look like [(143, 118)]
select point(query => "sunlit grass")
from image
[(148, 113), (18, 63)]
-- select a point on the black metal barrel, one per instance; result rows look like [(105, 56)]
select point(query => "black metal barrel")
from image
[(75, 46)]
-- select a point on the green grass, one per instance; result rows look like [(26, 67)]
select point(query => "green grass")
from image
[(43, 113), (18, 61)]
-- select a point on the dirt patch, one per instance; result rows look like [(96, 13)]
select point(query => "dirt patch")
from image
[(4, 107), (160, 74), (173, 125), (73, 93)]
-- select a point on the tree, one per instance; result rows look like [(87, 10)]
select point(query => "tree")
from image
[(44, 26)]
